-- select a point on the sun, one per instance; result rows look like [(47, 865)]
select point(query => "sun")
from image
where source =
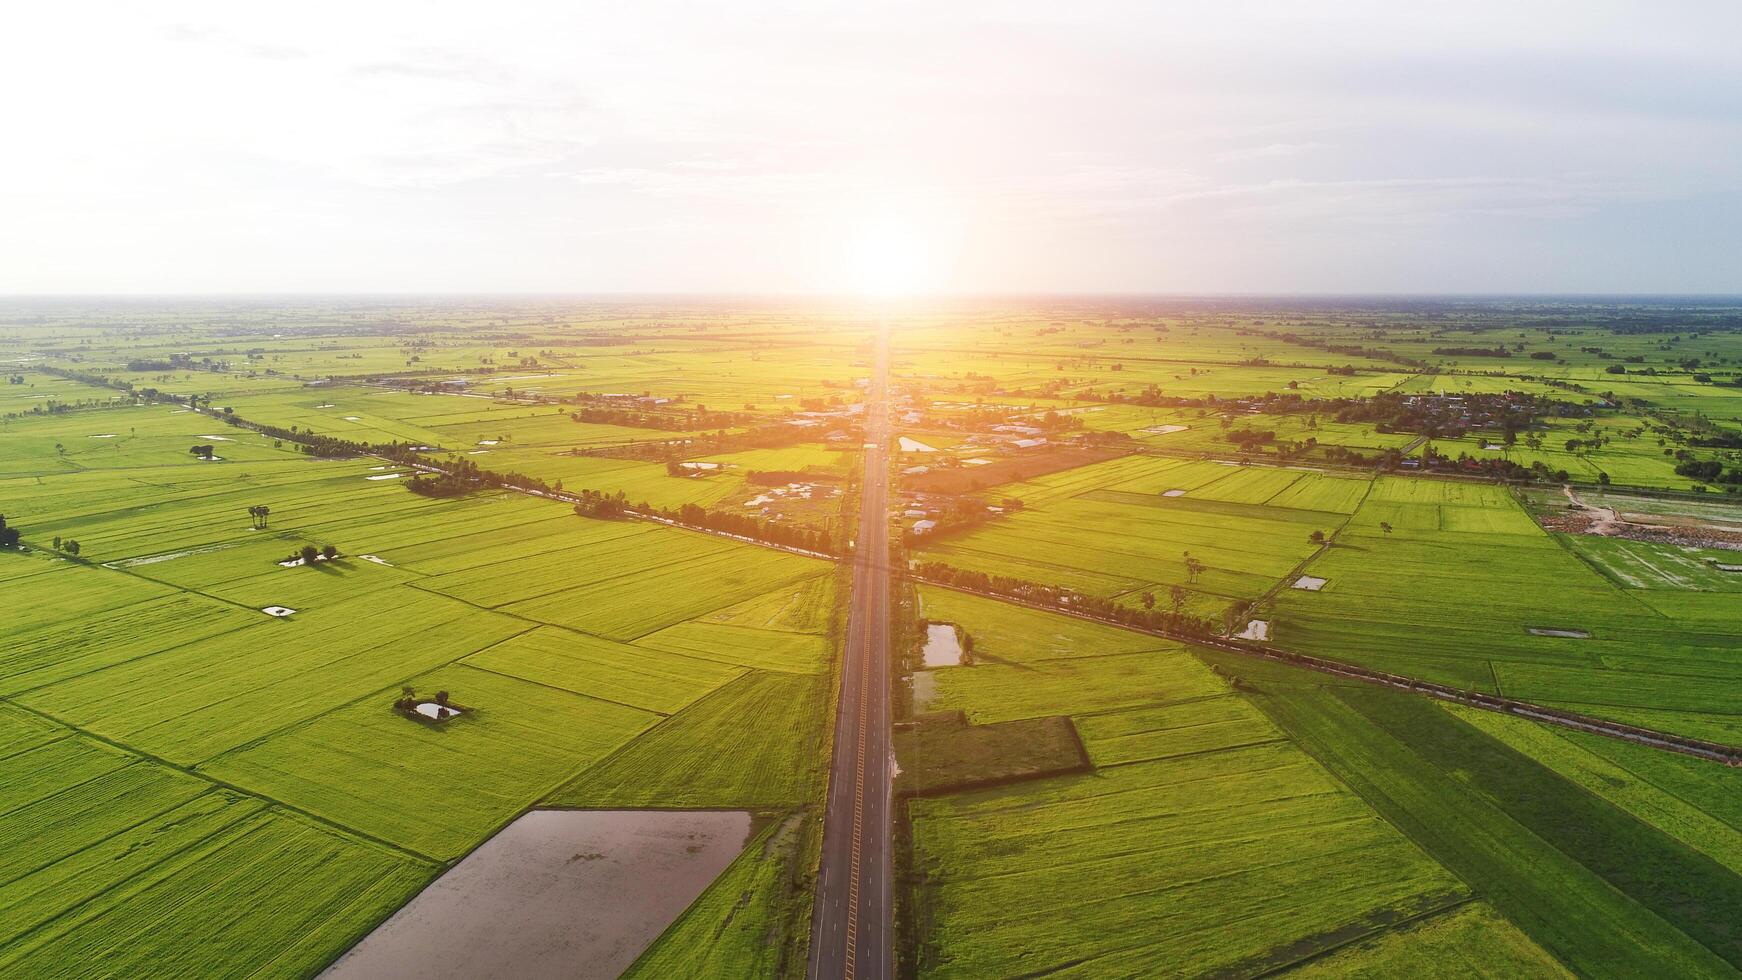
[(891, 259)]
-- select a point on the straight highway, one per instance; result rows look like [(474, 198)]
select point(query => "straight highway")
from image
[(852, 927)]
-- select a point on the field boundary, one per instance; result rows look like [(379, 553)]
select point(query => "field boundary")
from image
[(1729, 755)]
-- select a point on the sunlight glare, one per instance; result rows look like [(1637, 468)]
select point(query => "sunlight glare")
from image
[(892, 259)]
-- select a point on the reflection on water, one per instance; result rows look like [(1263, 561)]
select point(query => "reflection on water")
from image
[(557, 893)]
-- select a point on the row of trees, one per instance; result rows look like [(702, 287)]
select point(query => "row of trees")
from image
[(464, 476), (1709, 471), (441, 485), (10, 537), (750, 526), (609, 506), (774, 436), (1174, 620)]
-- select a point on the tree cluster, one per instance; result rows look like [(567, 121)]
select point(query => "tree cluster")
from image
[(1472, 352), (308, 554), (1709, 471), (750, 526)]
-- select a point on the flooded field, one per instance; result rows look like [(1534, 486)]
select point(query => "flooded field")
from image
[(943, 645), (558, 893)]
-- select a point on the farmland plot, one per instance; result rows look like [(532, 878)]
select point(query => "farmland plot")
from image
[(1198, 805), (644, 678), (1122, 528), (1465, 589), (435, 791), (759, 741), (239, 686), (108, 855), (1078, 872), (1565, 866)]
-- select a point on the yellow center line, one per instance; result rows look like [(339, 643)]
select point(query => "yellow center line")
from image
[(858, 814)]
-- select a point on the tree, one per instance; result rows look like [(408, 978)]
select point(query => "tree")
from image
[(1194, 567), (72, 548), (1177, 596), (1317, 537), (1603, 478), (258, 514), (8, 535), (309, 554), (441, 697), (329, 552), (1148, 600), (57, 542), (1385, 526)]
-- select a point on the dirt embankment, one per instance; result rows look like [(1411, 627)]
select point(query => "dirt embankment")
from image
[(1584, 518)]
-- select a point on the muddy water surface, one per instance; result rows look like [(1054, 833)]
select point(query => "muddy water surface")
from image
[(558, 893), (943, 648)]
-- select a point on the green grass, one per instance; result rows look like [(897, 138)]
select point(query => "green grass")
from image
[(735, 928), (1106, 530), (266, 894), (1516, 832), (802, 607), (760, 741), (156, 871), (1144, 734), (939, 753), (626, 606), (1007, 634), (1203, 842), (636, 676), (1452, 592), (1682, 819), (1217, 861), (743, 646), (622, 664), (158, 645), (199, 699), (435, 790), (1469, 941), (1000, 692)]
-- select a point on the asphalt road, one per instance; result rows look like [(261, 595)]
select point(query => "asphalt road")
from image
[(852, 930)]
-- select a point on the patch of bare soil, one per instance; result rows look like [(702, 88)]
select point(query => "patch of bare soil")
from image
[(1584, 518)]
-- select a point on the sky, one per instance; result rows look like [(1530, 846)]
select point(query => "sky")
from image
[(1233, 146)]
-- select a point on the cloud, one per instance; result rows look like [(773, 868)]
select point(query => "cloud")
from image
[(1270, 151), (1110, 143)]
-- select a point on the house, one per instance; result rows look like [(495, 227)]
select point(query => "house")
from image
[(921, 527)]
